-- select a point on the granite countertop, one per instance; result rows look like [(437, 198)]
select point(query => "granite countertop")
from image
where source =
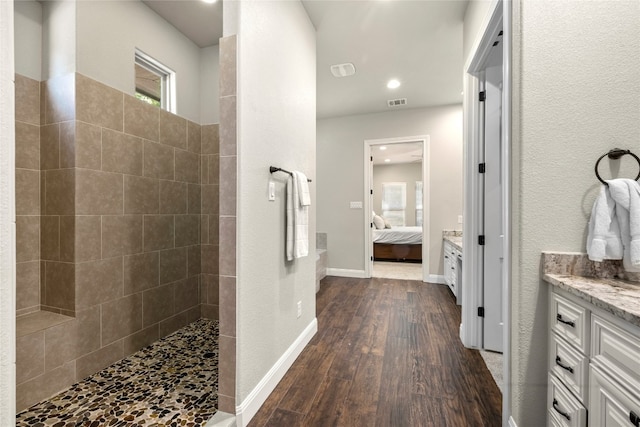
[(456, 241)]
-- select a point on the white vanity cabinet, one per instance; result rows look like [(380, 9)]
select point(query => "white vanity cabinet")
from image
[(594, 365), (453, 268)]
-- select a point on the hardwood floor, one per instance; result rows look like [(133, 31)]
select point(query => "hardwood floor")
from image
[(387, 353)]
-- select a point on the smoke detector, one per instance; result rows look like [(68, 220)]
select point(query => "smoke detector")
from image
[(343, 70), (397, 102)]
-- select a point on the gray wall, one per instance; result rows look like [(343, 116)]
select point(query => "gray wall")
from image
[(340, 162), (408, 173)]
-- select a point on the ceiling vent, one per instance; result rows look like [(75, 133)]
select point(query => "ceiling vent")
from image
[(343, 70), (397, 102)]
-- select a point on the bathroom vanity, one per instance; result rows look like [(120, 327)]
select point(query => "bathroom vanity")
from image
[(594, 343), (453, 262)]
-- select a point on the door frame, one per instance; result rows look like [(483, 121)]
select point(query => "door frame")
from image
[(498, 18), (367, 196)]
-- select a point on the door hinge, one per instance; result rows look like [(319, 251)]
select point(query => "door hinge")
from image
[(371, 191), (481, 240), (371, 257), (372, 158), (482, 167), (483, 96), (480, 311), (371, 224)]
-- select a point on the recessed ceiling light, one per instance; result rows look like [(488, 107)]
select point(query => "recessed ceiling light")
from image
[(393, 84), (210, 1), (387, 160), (383, 148)]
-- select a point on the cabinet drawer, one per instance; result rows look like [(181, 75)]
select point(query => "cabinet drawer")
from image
[(563, 409), (616, 350), (571, 366), (609, 404), (570, 321)]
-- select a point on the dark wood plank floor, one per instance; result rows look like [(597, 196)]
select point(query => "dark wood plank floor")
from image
[(387, 353)]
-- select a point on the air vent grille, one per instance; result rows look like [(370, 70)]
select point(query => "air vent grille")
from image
[(343, 70), (397, 102)]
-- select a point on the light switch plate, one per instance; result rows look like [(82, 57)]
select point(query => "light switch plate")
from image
[(355, 205), (272, 191)]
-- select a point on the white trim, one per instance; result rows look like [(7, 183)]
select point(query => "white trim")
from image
[(344, 272), (512, 422), (426, 212), (248, 408), (436, 278), (7, 218)]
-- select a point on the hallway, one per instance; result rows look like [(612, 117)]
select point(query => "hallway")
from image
[(387, 353)]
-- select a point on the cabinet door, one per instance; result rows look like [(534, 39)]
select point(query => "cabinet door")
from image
[(609, 404), (563, 409)]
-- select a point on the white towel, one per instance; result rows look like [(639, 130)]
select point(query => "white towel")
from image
[(626, 194), (603, 240), (297, 238), (303, 188)]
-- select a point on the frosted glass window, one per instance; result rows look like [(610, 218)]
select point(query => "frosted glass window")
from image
[(394, 202), (154, 82), (419, 203)]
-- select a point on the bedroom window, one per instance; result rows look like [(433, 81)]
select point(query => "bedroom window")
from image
[(394, 202), (154, 82), (419, 203)]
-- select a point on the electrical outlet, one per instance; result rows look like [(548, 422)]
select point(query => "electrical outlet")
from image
[(355, 205), (299, 309), (459, 219)]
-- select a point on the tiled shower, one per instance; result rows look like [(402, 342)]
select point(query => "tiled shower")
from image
[(118, 216)]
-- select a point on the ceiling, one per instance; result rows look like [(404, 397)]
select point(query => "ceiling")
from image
[(409, 152), (418, 42)]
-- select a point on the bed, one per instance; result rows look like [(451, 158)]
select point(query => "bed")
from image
[(398, 244)]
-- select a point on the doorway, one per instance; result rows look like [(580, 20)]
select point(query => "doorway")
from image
[(396, 208)]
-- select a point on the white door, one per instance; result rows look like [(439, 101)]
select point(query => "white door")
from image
[(493, 209)]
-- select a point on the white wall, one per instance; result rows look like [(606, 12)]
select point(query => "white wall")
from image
[(109, 32), (563, 51), (408, 173), (209, 90), (276, 126), (58, 38), (473, 18), (28, 39), (340, 154)]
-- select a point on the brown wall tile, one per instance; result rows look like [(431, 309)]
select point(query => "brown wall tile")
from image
[(211, 282), (158, 232), (214, 229), (173, 130), (228, 190), (173, 265), (45, 385), (98, 193), (194, 198), (228, 246), (60, 192), (187, 167), (67, 144), (173, 197), (209, 311), (141, 272), (27, 100), (228, 306), (228, 67), (141, 195), (98, 282), (27, 238), (194, 261), (88, 331), (121, 318), (29, 356), (59, 99), (210, 139), (50, 238), (27, 192), (226, 404), (158, 160), (68, 239), (98, 104), (141, 119), (88, 142), (121, 153), (214, 169), (121, 235), (210, 255), (204, 229), (93, 362), (194, 137), (59, 285), (186, 294), (227, 366), (204, 169), (28, 284), (210, 199), (27, 146), (194, 314), (228, 128), (187, 230), (60, 344), (88, 238), (141, 339), (172, 324), (50, 147), (157, 304)]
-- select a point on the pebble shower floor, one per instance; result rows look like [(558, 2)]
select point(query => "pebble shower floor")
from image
[(173, 382)]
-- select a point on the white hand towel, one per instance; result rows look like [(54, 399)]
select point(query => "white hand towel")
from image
[(303, 188), (626, 194), (297, 238), (603, 240), (290, 233)]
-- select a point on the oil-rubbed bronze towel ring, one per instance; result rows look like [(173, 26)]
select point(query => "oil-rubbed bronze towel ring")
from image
[(615, 154)]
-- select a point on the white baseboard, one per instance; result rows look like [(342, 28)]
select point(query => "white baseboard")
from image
[(248, 408), (343, 272), (512, 422), (436, 278)]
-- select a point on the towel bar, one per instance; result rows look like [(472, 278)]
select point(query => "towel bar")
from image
[(615, 154), (273, 169)]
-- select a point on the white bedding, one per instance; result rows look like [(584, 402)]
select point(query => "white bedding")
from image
[(398, 235)]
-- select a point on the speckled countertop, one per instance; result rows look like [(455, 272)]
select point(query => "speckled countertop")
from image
[(453, 237), (604, 285)]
